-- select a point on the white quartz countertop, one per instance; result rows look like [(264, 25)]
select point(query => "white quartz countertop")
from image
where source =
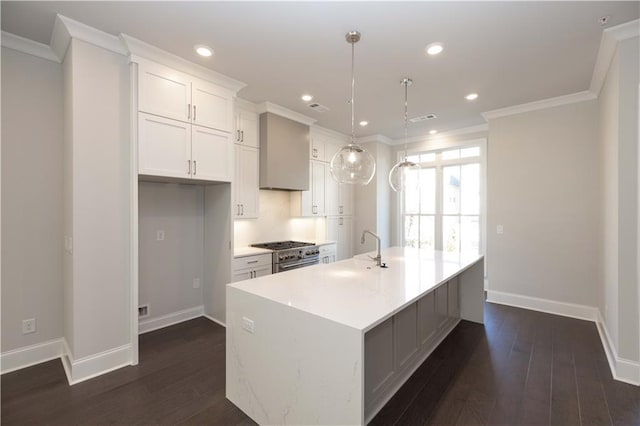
[(249, 251), (356, 293)]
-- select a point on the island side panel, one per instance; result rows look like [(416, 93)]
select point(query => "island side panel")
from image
[(295, 368), (471, 292)]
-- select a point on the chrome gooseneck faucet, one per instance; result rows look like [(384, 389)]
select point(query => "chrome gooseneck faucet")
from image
[(378, 258)]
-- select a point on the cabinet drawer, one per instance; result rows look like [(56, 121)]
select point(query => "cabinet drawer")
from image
[(252, 261), (327, 249)]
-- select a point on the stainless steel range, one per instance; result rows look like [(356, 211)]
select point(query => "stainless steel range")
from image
[(288, 255)]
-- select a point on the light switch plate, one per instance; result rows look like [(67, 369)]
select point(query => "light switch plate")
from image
[(247, 325)]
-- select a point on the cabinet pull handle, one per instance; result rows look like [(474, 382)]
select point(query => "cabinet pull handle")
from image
[(238, 209), (195, 167), (242, 209), (189, 111), (194, 113), (241, 135), (238, 135), (315, 152), (340, 223), (340, 208), (189, 171), (252, 261)]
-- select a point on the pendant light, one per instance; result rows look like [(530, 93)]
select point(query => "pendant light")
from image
[(352, 163), (399, 173)]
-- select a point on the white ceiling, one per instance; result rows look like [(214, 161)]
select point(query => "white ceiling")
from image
[(509, 52)]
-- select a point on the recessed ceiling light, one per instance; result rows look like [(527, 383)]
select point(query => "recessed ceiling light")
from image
[(307, 98), (434, 48), (433, 132), (364, 123), (471, 96), (203, 50)]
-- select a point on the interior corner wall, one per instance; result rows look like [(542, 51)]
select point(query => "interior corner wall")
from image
[(544, 188), (100, 197), (31, 198)]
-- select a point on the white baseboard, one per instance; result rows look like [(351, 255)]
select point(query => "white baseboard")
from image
[(30, 355), (217, 321), (622, 369), (564, 309), (148, 325), (79, 370)]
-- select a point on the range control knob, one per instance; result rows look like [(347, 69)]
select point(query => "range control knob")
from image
[(281, 257)]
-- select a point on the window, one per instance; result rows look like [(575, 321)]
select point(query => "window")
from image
[(444, 212)]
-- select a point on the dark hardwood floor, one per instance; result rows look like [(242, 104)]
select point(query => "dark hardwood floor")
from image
[(522, 367)]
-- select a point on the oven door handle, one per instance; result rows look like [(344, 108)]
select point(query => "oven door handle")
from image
[(300, 264)]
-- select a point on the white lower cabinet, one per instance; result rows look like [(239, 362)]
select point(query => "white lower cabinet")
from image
[(340, 229), (328, 253), (173, 148), (247, 267)]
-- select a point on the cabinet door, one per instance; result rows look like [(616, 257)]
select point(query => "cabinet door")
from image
[(317, 148), (261, 272), (212, 155), (164, 146), (345, 198), (345, 240), (331, 146), (317, 187), (331, 195), (333, 231), (247, 182), (248, 125), (241, 275), (212, 106), (164, 92)]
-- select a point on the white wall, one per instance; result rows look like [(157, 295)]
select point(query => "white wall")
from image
[(167, 268), (100, 199), (544, 188), (619, 144), (275, 222), (31, 198)]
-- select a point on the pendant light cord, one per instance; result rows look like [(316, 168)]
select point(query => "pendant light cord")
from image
[(353, 90), (406, 84)]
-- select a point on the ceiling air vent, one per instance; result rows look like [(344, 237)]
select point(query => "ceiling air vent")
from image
[(317, 107), (423, 118)]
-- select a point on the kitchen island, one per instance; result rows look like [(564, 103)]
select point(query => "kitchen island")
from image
[(331, 343)]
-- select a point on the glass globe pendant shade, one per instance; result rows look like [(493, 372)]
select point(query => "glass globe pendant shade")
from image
[(353, 164), (404, 176)]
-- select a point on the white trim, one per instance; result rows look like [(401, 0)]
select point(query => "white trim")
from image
[(541, 104), (284, 112), (96, 365), (564, 309), (439, 136), (133, 215), (30, 47), (608, 44), (27, 356), (138, 48), (246, 105), (163, 321), (330, 133), (376, 138), (210, 318), (622, 369), (66, 28)]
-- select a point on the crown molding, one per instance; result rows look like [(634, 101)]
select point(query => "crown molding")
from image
[(30, 47), (608, 44), (455, 132), (64, 29), (541, 104), (139, 49), (376, 138), (285, 112), (330, 133)]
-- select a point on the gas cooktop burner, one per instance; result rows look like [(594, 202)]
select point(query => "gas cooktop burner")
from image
[(281, 245)]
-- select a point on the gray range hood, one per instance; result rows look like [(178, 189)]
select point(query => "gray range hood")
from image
[(284, 153)]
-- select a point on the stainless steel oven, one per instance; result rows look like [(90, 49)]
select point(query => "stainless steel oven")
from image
[(289, 255)]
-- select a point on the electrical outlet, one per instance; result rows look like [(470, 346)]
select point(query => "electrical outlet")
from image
[(160, 235), (143, 311), (29, 326), (500, 229), (247, 324), (196, 283)]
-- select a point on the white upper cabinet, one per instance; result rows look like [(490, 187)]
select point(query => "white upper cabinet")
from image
[(247, 129), (211, 155), (172, 94), (164, 147), (311, 203), (212, 106), (317, 148), (246, 184), (164, 92)]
